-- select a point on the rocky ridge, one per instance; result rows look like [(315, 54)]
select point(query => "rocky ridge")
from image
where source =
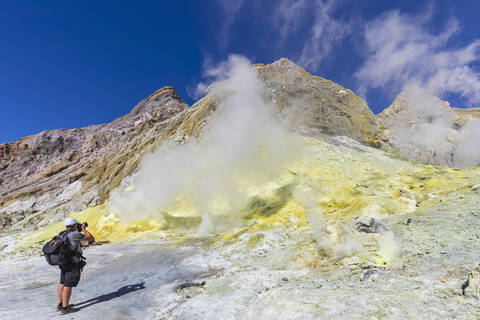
[(59, 171)]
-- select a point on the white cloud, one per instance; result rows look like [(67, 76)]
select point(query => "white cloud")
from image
[(198, 91), (288, 16), (400, 50), (326, 32), (230, 9)]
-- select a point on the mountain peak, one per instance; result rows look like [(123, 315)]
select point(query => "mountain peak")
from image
[(163, 98), (282, 64)]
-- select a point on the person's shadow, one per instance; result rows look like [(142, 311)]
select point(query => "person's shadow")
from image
[(109, 296)]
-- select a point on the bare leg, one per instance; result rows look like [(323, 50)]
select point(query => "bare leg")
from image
[(66, 293), (59, 293)]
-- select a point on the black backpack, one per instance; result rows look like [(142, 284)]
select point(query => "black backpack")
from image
[(57, 251)]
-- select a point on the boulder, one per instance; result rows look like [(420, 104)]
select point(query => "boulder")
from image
[(369, 225), (471, 287)]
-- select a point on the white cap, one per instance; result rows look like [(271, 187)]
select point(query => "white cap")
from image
[(70, 222)]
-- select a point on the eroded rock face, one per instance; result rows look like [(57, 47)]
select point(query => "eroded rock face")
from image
[(316, 106), (59, 171), (424, 128), (471, 288)]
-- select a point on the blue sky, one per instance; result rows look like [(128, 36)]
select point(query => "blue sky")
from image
[(68, 64)]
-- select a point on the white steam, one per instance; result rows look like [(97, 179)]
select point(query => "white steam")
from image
[(468, 152), (242, 147), (402, 54), (333, 240), (206, 226), (428, 130)]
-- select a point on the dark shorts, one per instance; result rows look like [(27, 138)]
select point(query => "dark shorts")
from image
[(70, 277)]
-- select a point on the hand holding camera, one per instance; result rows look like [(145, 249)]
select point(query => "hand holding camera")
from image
[(82, 226)]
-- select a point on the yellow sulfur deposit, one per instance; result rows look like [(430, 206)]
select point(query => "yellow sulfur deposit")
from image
[(328, 185), (104, 226)]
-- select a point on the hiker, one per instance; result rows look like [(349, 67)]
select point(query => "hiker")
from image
[(70, 272)]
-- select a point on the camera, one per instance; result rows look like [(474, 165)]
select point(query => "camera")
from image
[(79, 225)]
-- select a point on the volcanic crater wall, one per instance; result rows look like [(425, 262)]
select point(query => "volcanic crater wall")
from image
[(48, 175)]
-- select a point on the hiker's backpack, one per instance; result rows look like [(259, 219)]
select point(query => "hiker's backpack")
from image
[(57, 251)]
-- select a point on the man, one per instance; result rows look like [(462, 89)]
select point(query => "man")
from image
[(70, 272)]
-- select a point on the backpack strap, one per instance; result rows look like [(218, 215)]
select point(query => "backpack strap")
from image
[(75, 251), (65, 233), (64, 238)]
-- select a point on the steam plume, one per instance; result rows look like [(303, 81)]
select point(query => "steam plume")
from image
[(242, 148), (431, 128)]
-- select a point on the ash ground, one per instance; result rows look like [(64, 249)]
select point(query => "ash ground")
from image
[(304, 260), (162, 280)]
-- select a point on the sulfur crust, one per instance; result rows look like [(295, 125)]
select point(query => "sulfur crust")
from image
[(345, 184)]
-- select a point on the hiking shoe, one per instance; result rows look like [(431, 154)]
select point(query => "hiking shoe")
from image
[(60, 307), (69, 309)]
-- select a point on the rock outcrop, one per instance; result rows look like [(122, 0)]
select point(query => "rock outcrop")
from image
[(426, 129), (369, 225), (316, 106), (471, 287)]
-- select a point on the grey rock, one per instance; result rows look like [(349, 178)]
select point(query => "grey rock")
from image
[(100, 156), (369, 225), (471, 287), (189, 285), (370, 275)]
